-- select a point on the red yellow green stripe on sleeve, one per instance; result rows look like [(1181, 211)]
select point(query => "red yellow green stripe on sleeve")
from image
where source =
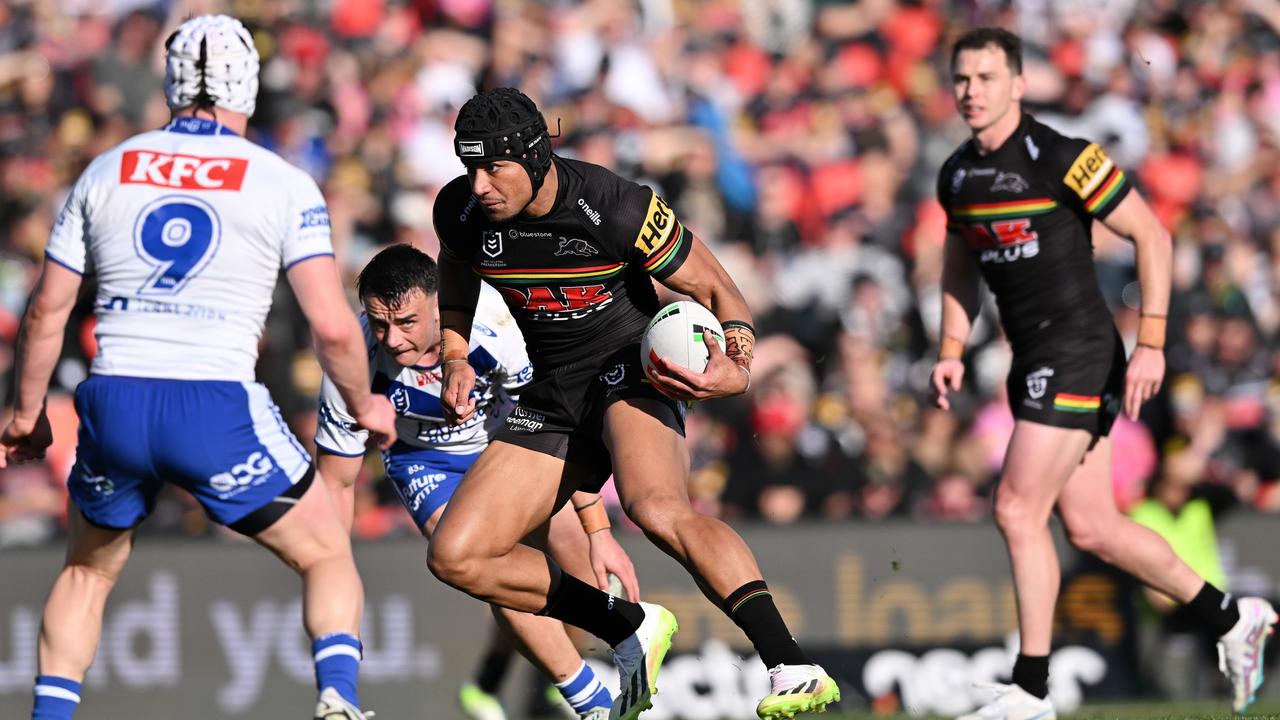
[(1067, 402), (1107, 191), (663, 255)]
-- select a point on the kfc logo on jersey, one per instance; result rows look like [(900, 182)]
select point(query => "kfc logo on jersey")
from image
[(187, 172), (1038, 382), (492, 244)]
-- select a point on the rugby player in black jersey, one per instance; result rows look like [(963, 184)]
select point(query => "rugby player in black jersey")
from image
[(1020, 201), (573, 248)]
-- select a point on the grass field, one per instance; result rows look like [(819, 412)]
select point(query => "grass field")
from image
[(1263, 710)]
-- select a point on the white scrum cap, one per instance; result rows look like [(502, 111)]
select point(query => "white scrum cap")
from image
[(212, 57)]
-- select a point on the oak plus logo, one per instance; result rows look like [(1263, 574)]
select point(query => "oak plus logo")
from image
[(188, 172)]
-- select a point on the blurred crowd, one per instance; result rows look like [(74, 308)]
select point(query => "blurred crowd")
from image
[(800, 139)]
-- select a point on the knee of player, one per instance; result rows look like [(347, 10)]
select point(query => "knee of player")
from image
[(1015, 513), (1087, 534), (453, 561), (660, 515), (93, 577)]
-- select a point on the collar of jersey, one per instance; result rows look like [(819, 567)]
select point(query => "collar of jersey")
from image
[(187, 125)]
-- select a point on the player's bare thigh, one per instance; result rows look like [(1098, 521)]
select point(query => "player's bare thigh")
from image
[(1039, 461), (562, 534), (508, 493), (310, 531), (650, 459)]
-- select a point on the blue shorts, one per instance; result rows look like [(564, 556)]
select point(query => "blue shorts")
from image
[(223, 442), (425, 479)]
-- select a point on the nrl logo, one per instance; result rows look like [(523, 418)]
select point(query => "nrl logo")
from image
[(957, 180), (1038, 382), (1009, 182), (574, 246), (492, 245)]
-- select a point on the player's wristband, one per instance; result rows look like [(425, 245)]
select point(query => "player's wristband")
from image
[(593, 517), (1151, 331), (952, 348), (446, 361), (746, 370), (729, 324)]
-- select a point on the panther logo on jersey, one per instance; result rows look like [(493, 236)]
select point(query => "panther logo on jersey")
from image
[(1010, 182), (1038, 382), (574, 246)]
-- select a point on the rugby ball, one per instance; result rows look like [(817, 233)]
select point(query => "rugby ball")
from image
[(676, 334)]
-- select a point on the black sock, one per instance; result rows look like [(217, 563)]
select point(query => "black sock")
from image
[(751, 607), (1215, 609), (492, 669), (609, 618), (1031, 673)]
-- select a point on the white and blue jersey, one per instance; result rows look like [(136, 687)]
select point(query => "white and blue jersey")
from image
[(186, 230), (431, 456)]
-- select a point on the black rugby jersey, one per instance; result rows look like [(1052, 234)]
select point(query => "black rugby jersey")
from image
[(1026, 210), (577, 280)]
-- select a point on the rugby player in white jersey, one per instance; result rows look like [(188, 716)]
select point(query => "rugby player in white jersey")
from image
[(186, 229), (398, 289)]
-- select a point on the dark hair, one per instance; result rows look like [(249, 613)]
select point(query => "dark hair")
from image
[(979, 38), (395, 272)]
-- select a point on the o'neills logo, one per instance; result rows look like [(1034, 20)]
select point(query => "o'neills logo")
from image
[(470, 148), (586, 210)]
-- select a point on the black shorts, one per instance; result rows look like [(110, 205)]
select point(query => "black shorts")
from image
[(562, 413), (1068, 388)]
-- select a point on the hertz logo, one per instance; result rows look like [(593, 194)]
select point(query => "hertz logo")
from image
[(659, 221), (1090, 167)]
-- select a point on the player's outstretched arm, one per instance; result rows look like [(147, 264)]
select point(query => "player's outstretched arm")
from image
[(1133, 219), (459, 292), (39, 345), (728, 372), (340, 343), (961, 301)]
